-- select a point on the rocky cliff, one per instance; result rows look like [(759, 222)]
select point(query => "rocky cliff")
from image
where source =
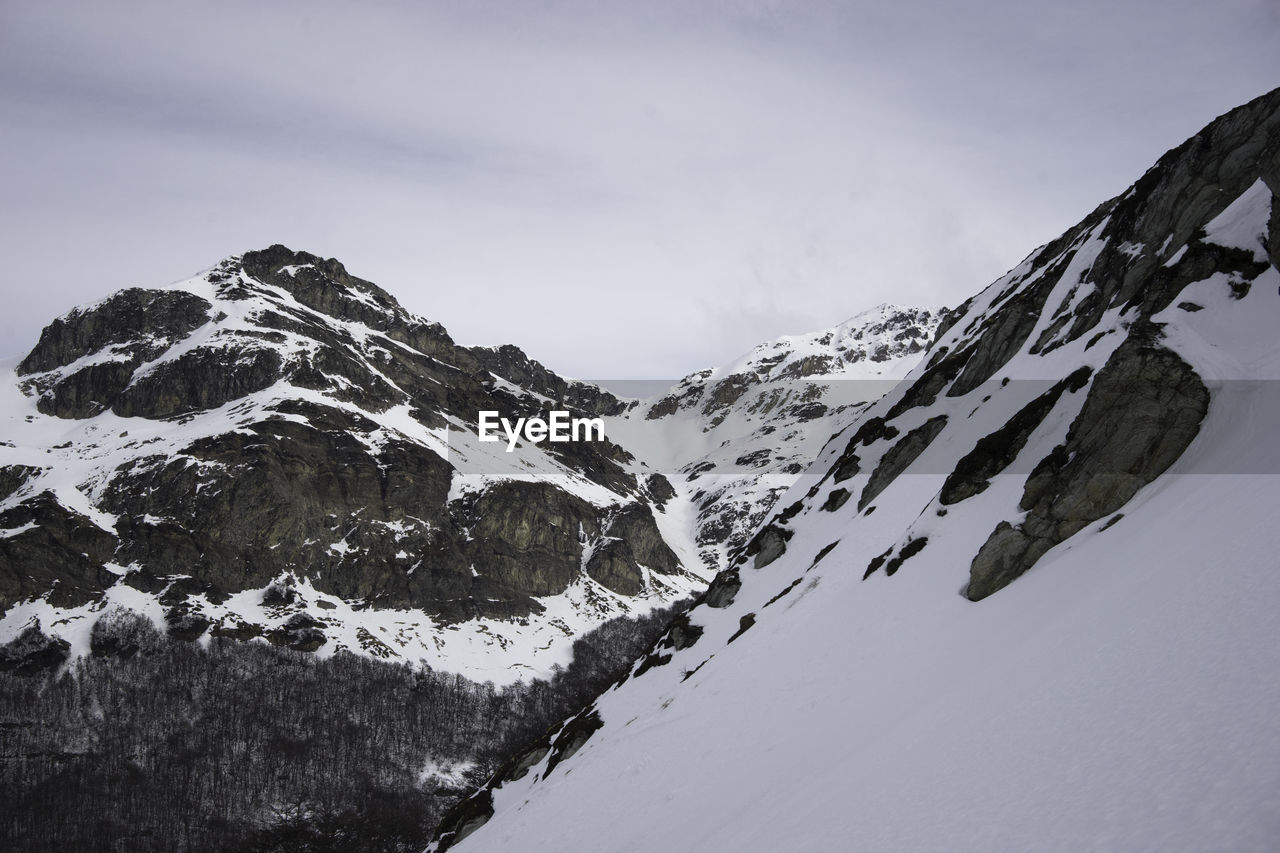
[(276, 448)]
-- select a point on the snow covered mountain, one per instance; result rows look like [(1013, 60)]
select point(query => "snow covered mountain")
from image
[(734, 439), (276, 449), (1028, 600)]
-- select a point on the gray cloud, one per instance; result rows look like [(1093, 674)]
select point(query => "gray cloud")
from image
[(624, 189)]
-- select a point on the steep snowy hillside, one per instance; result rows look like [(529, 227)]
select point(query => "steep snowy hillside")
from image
[(1031, 603), (733, 439), (276, 448)]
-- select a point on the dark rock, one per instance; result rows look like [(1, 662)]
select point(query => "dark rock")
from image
[(899, 457), (525, 762), (185, 625), (942, 368), (790, 512), (913, 547), (682, 634), (728, 391), (1273, 229), (278, 594), (668, 405), (1144, 408), (463, 819), (14, 477), (722, 589), (301, 632), (649, 661), (755, 459), (795, 583), (83, 394), (744, 624), (847, 466), (636, 526), (835, 500), (203, 378), (632, 541), (58, 553), (573, 737), (525, 536), (826, 549), (141, 323), (1111, 522), (613, 566), (876, 562), (996, 451), (659, 489), (768, 545), (323, 285)]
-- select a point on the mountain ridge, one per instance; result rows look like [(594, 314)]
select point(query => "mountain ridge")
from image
[(1024, 594), (279, 380)]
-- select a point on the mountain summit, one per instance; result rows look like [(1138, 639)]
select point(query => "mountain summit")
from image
[(276, 448)]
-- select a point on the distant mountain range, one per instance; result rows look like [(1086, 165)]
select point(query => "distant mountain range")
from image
[(277, 449)]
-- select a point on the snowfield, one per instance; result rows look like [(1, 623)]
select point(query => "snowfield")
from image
[(1121, 695)]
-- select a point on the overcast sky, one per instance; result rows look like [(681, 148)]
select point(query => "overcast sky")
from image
[(623, 189)]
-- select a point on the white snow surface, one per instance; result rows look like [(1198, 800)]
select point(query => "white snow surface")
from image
[(1119, 696)]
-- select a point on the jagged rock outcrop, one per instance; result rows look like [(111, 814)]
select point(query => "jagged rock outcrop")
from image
[(899, 457), (54, 551), (997, 451), (1142, 411)]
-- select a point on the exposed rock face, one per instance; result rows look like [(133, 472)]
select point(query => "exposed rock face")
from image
[(198, 380), (135, 323), (630, 542), (1143, 410), (531, 534), (512, 364), (114, 338), (55, 551), (278, 417), (1099, 285), (899, 457), (997, 451)]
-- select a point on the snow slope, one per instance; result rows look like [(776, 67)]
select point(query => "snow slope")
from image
[(1121, 699), (837, 689)]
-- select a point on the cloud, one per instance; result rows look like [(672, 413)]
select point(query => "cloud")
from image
[(623, 189)]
